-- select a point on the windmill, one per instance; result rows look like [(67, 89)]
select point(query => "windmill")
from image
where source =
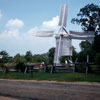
[(63, 38)]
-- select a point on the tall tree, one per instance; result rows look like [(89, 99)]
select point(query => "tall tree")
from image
[(75, 54), (85, 45), (51, 55), (40, 58), (19, 59), (28, 56), (5, 57), (86, 49), (97, 44), (89, 18)]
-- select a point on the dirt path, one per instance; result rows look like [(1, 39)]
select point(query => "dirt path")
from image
[(7, 98), (44, 90)]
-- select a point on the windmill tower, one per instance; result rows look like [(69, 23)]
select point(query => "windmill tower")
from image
[(63, 38), (63, 42)]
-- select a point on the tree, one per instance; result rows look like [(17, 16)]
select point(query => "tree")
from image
[(97, 59), (28, 56), (40, 58), (97, 44), (74, 53), (85, 45), (44, 57), (86, 49), (11, 60), (89, 18), (19, 60), (5, 57), (51, 55)]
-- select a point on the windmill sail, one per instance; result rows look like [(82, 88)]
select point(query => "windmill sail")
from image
[(43, 33), (90, 38), (63, 16), (82, 33)]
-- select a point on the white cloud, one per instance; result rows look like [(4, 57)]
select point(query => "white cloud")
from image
[(52, 23), (12, 30), (0, 15), (18, 42), (13, 26), (10, 34), (14, 23)]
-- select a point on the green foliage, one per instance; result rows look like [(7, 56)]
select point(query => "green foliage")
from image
[(85, 45), (86, 49), (40, 58), (97, 43), (82, 56), (74, 54), (28, 56), (20, 66), (5, 57), (89, 18), (19, 59), (11, 60), (97, 59), (51, 55)]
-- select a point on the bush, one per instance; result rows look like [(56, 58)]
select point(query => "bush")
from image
[(20, 67), (97, 59)]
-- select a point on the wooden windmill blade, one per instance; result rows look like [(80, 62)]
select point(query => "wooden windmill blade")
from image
[(82, 33), (63, 16), (85, 37), (39, 33), (42, 32), (43, 35)]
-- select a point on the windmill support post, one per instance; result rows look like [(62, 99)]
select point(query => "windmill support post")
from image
[(87, 68), (87, 64), (32, 70)]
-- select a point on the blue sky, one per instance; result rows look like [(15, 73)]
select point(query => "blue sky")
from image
[(19, 17)]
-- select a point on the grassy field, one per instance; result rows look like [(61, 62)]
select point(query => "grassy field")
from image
[(68, 77)]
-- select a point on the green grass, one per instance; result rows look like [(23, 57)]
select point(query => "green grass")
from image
[(68, 77)]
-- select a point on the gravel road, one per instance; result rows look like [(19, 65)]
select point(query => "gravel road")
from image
[(49, 90), (7, 98)]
